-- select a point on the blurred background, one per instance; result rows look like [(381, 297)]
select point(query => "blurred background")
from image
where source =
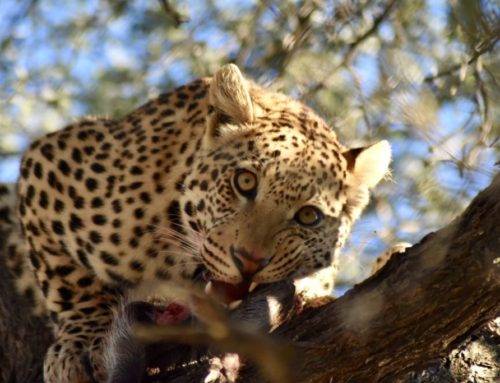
[(422, 74)]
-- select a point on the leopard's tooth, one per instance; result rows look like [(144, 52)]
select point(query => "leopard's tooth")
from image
[(208, 288), (252, 287), (234, 304)]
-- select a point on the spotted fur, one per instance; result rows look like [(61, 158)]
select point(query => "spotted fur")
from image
[(149, 199)]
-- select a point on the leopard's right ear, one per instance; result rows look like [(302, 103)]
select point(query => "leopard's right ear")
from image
[(230, 99), (368, 165)]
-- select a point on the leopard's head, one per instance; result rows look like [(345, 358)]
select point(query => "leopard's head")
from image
[(272, 194)]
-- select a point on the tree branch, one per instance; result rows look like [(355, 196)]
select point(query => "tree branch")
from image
[(486, 46), (352, 46), (415, 308), (172, 13), (412, 312)]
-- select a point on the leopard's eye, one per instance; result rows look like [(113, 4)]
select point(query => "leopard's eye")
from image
[(309, 216), (245, 183)]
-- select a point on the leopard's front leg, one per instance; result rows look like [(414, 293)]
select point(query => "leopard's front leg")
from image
[(81, 307)]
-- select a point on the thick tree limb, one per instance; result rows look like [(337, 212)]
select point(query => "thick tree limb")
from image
[(415, 308), (414, 311)]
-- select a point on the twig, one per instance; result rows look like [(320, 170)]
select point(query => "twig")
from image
[(270, 355), (376, 23), (227, 333), (486, 46), (173, 13), (351, 47)]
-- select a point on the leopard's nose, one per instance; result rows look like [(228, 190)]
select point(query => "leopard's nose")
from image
[(248, 262)]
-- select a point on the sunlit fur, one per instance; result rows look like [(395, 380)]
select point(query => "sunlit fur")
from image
[(266, 224), (298, 161), (140, 202)]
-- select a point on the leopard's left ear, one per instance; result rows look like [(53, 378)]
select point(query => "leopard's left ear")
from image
[(229, 94), (368, 165), (233, 111)]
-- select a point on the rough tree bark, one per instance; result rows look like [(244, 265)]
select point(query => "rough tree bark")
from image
[(412, 321), (414, 311)]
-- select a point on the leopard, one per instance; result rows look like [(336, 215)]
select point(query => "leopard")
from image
[(220, 178)]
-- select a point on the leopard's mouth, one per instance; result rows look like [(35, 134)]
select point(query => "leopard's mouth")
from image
[(230, 294)]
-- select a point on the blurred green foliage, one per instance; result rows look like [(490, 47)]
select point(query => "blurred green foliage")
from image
[(422, 74)]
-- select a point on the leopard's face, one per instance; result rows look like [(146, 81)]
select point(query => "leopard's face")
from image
[(267, 207), (271, 194)]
